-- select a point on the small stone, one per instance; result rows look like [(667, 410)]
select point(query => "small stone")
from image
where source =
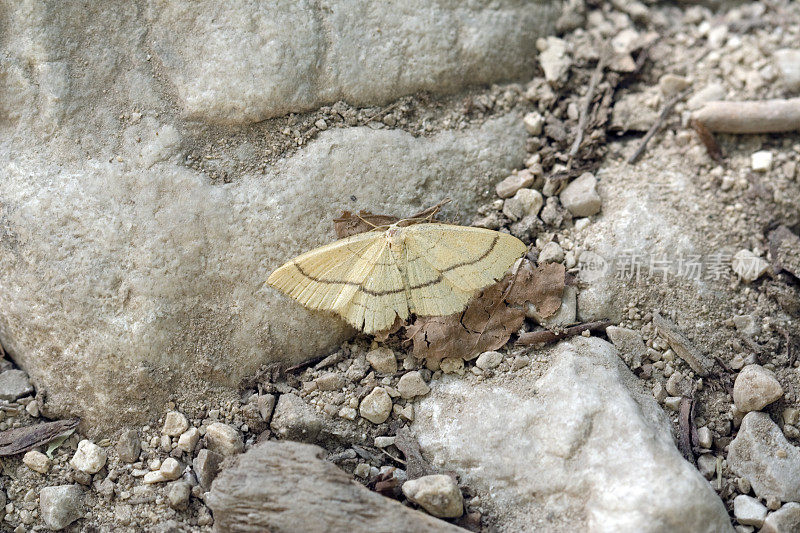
[(265, 404), (174, 424), (407, 413), (533, 122), (376, 406), (761, 454), (747, 324), (755, 387), (711, 92), (151, 478), (489, 360), (295, 420), (14, 384), (659, 393), (452, 365), (513, 183), (761, 161), (361, 470), (788, 62), (784, 520), (60, 506), (330, 381), (382, 360), (580, 196), (677, 385), (32, 409), (554, 59), (704, 437), (129, 446), (384, 442), (188, 440), (673, 403), (749, 511), (630, 345), (551, 253), (321, 125), (670, 84), (707, 465), (748, 265), (223, 439), (412, 384), (171, 468), (206, 466), (88, 458), (438, 494), (36, 461), (178, 495), (525, 202), (348, 413), (358, 369)]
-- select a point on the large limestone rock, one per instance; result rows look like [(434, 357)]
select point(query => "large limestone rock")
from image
[(287, 486), (291, 56), (136, 234), (578, 439)]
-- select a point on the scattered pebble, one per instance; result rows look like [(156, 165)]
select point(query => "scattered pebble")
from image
[(452, 365), (551, 253), (554, 59), (630, 345), (761, 453), (707, 465), (580, 196), (88, 458), (178, 495), (525, 202), (223, 439), (747, 324), (513, 183), (206, 466), (788, 62), (36, 461), (382, 360), (330, 381), (749, 511), (384, 442), (704, 437), (755, 388), (129, 446), (677, 385), (489, 360), (61, 505), (438, 494), (14, 384), (294, 419), (534, 122), (670, 84), (412, 384), (376, 406), (174, 424), (188, 440), (361, 470), (761, 161), (784, 520), (748, 265)]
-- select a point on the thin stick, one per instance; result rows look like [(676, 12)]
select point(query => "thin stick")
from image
[(547, 336), (656, 125), (584, 116)]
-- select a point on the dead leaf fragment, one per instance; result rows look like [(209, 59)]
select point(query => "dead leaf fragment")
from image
[(542, 286), (351, 224)]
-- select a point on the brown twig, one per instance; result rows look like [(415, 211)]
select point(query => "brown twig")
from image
[(305, 364), (685, 437), (656, 125), (546, 336), (583, 119)]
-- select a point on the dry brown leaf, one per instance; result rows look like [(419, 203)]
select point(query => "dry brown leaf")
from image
[(491, 317), (351, 224)]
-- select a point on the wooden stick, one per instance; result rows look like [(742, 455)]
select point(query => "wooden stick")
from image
[(546, 336), (584, 116), (765, 116), (656, 126)]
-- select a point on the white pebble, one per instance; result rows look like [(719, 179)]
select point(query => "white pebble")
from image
[(88, 458), (761, 161)]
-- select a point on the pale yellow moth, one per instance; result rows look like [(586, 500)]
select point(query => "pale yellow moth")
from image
[(369, 279)]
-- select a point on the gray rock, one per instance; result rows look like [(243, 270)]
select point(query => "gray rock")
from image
[(580, 196), (61, 505), (287, 486), (412, 384), (748, 265), (632, 113), (206, 466), (382, 359), (437, 493), (179, 338), (223, 439), (489, 360), (525, 202), (178, 493), (174, 424), (294, 419), (428, 46), (755, 388), (788, 62), (630, 345), (14, 384), (761, 454), (513, 183), (554, 59), (551, 253), (330, 381), (611, 445), (784, 520), (129, 446), (749, 511)]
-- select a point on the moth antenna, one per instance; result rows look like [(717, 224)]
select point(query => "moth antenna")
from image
[(365, 221)]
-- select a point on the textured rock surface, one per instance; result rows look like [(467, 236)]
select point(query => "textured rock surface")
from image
[(287, 486), (761, 454), (755, 387), (292, 56), (121, 279), (584, 443)]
